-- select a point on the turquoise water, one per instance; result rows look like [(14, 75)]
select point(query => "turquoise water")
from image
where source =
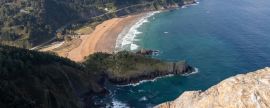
[(221, 38)]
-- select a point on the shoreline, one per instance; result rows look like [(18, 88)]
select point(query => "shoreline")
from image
[(196, 70), (127, 36), (104, 37), (110, 36)]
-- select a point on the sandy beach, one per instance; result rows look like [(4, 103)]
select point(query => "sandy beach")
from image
[(103, 38)]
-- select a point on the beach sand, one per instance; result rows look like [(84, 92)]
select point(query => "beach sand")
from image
[(103, 38)]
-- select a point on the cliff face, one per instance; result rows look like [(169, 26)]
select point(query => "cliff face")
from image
[(147, 71), (125, 67), (251, 90)]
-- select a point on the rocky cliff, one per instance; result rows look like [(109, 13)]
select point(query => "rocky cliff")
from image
[(251, 90), (147, 71), (126, 67)]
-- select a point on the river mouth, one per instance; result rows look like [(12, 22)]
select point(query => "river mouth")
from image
[(220, 38)]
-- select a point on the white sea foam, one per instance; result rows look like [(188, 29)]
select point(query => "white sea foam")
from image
[(143, 99), (185, 6), (127, 37), (125, 40), (196, 70), (134, 47), (117, 104), (144, 81)]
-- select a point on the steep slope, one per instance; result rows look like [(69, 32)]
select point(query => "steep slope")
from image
[(26, 23), (251, 90), (30, 79)]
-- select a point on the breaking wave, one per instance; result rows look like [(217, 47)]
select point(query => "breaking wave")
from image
[(126, 39)]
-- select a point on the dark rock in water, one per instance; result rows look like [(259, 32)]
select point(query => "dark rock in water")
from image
[(146, 52), (182, 68)]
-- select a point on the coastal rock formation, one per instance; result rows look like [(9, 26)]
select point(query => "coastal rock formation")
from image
[(126, 67), (251, 90), (151, 72)]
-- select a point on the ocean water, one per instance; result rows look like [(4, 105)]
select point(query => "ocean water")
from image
[(221, 38)]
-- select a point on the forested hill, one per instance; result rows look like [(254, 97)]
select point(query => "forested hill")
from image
[(30, 79), (26, 23)]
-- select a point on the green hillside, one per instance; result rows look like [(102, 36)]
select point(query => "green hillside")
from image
[(26, 23), (30, 79)]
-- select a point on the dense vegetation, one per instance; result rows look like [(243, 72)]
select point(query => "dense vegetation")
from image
[(26, 23), (122, 64), (30, 79), (126, 67)]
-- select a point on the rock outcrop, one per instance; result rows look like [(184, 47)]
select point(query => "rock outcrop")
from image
[(251, 90), (127, 67), (151, 72)]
